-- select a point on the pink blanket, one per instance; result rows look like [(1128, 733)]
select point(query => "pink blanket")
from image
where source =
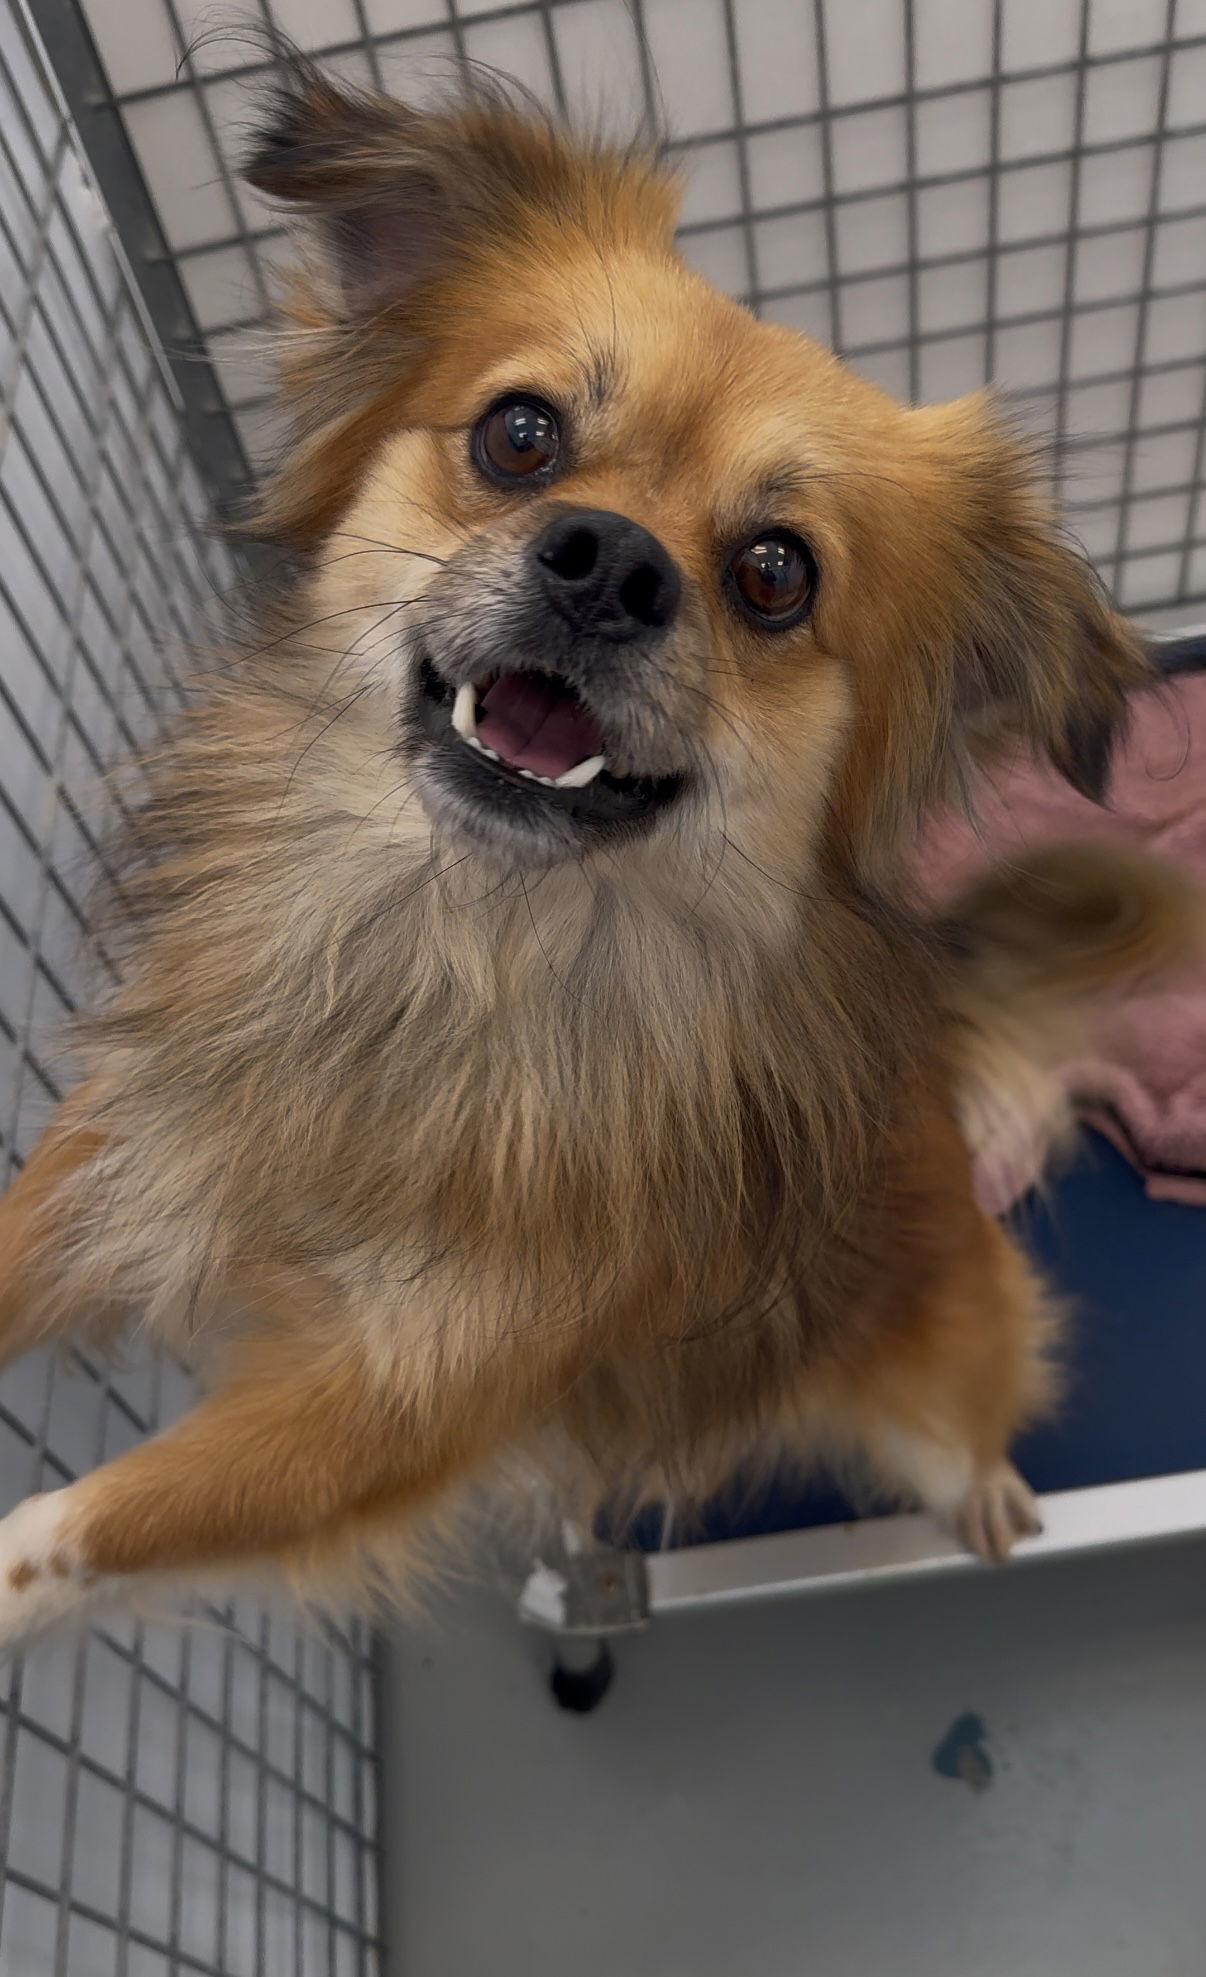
[(1146, 1087)]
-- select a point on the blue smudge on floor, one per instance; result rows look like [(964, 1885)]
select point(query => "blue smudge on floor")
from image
[(962, 1753)]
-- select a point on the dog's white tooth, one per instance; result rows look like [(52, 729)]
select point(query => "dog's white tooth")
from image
[(532, 778), (464, 711), (581, 773), (491, 752), (475, 743)]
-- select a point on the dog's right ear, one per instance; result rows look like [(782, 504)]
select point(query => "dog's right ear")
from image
[(373, 174), (416, 213)]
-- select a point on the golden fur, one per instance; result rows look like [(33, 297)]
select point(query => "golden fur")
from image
[(627, 1163)]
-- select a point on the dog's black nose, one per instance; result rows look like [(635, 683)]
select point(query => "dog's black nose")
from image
[(606, 575)]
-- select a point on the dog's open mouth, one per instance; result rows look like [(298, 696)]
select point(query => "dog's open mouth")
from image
[(522, 735), (534, 724)]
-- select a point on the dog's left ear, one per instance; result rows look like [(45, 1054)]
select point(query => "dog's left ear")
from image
[(1038, 652)]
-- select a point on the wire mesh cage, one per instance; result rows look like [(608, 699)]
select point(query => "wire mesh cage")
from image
[(197, 1800), (950, 192)]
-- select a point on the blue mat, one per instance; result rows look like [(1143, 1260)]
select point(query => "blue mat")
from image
[(1135, 1273)]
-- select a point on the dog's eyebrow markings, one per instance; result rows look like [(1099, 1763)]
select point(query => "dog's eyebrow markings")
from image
[(600, 378), (785, 483), (770, 497)]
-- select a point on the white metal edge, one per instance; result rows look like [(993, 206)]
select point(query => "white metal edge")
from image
[(879, 1550)]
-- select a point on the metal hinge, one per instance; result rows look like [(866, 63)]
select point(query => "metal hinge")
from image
[(591, 1591)]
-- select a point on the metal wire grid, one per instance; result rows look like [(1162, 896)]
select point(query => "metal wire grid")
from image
[(169, 1801), (949, 191)]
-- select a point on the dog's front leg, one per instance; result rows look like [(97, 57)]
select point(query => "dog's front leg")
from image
[(38, 1299), (304, 1435)]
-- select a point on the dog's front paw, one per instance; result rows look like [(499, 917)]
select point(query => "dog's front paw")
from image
[(999, 1509), (42, 1584)]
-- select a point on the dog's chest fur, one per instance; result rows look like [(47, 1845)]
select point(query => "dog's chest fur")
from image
[(655, 1096)]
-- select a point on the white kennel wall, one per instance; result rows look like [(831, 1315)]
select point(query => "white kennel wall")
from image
[(950, 191), (198, 1801)]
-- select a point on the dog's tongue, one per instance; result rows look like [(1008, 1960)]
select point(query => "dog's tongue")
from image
[(532, 722)]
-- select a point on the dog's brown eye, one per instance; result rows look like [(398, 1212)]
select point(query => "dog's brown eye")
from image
[(775, 577), (518, 438)]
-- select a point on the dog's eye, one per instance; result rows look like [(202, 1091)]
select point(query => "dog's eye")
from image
[(518, 438), (774, 577)]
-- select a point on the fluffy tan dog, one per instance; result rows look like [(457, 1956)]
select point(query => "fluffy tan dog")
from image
[(525, 1045)]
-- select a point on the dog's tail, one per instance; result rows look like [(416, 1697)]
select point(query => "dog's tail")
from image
[(1042, 949)]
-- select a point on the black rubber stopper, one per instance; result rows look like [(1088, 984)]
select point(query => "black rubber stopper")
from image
[(583, 1689)]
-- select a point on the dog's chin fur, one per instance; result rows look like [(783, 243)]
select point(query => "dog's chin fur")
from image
[(504, 844), (620, 1146)]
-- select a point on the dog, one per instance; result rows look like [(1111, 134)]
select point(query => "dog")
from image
[(526, 1056)]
